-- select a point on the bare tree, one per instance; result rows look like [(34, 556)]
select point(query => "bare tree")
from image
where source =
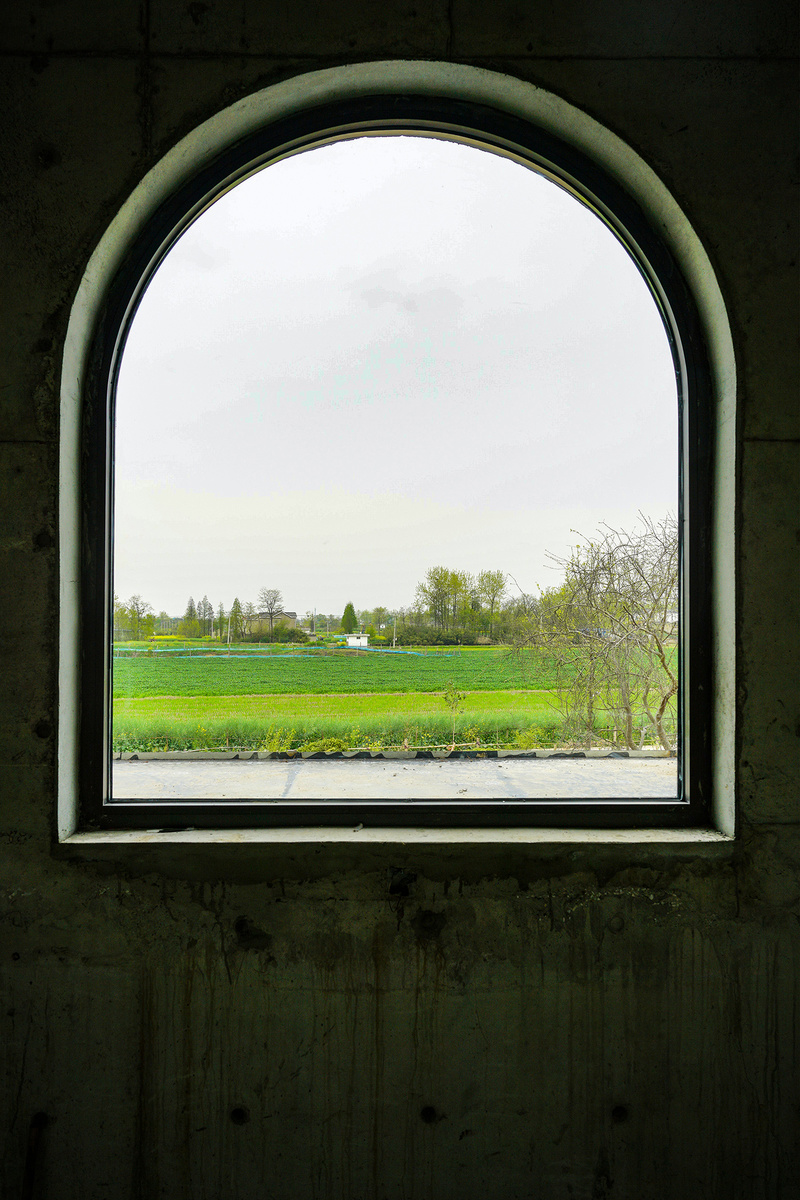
[(612, 630), (270, 601)]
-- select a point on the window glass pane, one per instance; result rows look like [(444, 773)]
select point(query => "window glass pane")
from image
[(370, 361)]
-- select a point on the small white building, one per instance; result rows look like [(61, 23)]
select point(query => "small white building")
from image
[(357, 639)]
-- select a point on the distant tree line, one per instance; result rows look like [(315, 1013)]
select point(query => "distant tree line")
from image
[(449, 607), (245, 622), (135, 619)]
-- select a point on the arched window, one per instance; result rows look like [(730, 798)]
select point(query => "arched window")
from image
[(450, 329)]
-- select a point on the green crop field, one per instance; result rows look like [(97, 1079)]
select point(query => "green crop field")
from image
[(316, 673), (311, 699), (502, 718), (353, 707)]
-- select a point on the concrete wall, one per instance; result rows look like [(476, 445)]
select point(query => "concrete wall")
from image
[(561, 1021)]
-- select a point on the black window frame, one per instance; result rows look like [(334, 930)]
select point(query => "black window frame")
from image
[(491, 129)]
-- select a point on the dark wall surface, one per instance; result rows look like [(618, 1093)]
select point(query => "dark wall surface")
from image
[(607, 1021)]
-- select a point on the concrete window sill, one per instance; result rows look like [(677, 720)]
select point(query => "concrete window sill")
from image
[(253, 855)]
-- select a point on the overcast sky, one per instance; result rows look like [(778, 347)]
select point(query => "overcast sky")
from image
[(377, 357)]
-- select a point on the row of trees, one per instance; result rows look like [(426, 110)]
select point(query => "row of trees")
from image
[(456, 600), (199, 620), (244, 620), (136, 618), (349, 622), (449, 606)]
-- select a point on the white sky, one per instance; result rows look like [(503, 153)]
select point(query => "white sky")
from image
[(378, 357)]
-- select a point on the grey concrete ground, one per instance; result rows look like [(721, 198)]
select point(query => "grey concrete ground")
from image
[(515, 778)]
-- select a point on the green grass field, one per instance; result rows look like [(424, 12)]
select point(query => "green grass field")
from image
[(294, 722), (334, 701), (314, 673), (330, 700)]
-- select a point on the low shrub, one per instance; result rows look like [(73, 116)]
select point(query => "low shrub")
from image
[(424, 635), (282, 635)]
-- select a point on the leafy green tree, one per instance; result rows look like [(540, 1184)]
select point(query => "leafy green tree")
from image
[(349, 621), (221, 619), (285, 633), (433, 595), (205, 617), (450, 598), (141, 617), (380, 616), (236, 620), (491, 587), (189, 626), (121, 619), (461, 586)]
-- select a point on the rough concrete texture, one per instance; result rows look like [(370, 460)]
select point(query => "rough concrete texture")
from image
[(405, 1020)]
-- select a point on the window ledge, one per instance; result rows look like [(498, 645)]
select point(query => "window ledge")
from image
[(255, 855)]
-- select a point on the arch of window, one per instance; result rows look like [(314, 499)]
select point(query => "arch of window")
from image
[(508, 134)]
